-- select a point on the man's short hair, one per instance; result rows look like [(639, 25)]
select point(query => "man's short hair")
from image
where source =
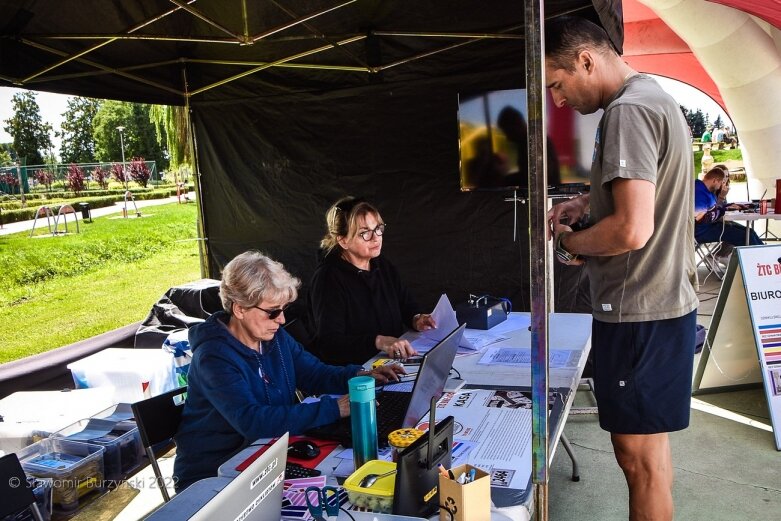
[(567, 36), (715, 173)]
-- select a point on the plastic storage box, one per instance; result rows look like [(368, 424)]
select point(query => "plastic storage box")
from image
[(121, 440), (378, 498), (117, 412), (31, 416), (135, 374), (76, 468)]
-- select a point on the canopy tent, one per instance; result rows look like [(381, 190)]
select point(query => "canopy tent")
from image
[(732, 52), (295, 104)]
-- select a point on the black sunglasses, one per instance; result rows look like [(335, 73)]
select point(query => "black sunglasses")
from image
[(272, 313)]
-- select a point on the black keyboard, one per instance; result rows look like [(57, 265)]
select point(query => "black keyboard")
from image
[(295, 471), (391, 409), (394, 406)]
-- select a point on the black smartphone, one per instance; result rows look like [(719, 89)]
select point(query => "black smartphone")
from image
[(413, 360)]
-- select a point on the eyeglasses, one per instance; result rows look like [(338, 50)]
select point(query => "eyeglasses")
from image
[(366, 235), (272, 313)]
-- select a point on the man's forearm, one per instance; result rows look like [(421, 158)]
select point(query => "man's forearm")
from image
[(608, 237)]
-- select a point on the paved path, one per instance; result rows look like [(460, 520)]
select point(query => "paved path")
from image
[(95, 212)]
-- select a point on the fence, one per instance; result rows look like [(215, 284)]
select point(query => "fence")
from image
[(60, 173)]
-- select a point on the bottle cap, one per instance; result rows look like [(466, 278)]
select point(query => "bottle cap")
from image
[(361, 389)]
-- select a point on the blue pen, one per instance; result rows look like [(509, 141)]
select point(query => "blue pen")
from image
[(472, 474)]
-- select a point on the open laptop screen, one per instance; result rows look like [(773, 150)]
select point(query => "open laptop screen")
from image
[(432, 376), (256, 493)]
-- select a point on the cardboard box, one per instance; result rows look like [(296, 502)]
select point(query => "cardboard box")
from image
[(468, 502)]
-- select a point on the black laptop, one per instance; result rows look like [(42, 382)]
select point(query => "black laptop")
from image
[(397, 409)]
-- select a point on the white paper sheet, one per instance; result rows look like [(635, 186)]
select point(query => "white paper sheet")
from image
[(445, 317), (521, 356), (496, 425)]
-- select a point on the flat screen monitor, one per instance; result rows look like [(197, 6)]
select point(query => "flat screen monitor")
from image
[(493, 142)]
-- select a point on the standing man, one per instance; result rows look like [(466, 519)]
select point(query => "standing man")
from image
[(638, 253)]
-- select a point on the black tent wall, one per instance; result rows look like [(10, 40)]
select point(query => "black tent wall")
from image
[(272, 166)]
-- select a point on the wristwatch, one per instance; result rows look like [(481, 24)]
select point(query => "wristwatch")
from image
[(561, 252)]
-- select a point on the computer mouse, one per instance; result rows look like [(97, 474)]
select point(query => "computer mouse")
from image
[(303, 449)]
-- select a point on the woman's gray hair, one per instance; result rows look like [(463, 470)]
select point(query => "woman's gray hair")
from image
[(341, 220), (252, 277)]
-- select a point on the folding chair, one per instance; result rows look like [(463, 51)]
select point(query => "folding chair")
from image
[(158, 419), (706, 256), (14, 490)]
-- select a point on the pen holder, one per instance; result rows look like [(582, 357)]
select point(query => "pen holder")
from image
[(468, 502)]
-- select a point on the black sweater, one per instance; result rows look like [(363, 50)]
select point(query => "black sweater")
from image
[(351, 306)]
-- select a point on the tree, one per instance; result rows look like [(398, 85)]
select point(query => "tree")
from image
[(101, 177), (718, 123), (139, 172), (75, 179), (8, 155), (31, 135), (696, 120), (138, 134), (5, 158), (46, 178), (171, 127), (78, 143)]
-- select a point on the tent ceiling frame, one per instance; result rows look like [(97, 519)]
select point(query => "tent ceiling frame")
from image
[(98, 46), (256, 66)]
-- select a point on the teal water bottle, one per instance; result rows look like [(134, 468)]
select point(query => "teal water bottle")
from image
[(363, 418)]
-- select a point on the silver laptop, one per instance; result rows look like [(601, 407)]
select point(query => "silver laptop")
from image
[(255, 494)]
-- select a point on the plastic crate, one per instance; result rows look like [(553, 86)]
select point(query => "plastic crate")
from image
[(31, 416), (76, 468), (121, 440), (117, 412)]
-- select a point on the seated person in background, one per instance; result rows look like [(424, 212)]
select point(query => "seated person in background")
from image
[(709, 208), (358, 303), (246, 369)]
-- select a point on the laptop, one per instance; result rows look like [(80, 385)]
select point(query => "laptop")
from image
[(398, 409), (256, 493)]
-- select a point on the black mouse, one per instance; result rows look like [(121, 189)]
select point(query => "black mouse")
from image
[(303, 449)]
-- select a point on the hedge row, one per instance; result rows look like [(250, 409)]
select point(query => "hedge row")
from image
[(26, 214), (52, 198)]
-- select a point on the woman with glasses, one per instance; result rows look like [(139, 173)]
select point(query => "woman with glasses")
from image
[(245, 371), (359, 305)]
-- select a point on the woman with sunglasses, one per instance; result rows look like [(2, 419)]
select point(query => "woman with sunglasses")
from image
[(359, 305), (245, 371)]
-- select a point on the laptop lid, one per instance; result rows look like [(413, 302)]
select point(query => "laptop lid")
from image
[(432, 376), (256, 493)]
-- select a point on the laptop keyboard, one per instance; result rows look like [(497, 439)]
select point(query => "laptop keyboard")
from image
[(296, 471), (393, 407)]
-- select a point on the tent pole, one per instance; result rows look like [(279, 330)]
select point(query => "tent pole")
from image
[(540, 285), (203, 243)]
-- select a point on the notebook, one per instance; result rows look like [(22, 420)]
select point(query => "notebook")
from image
[(397, 409), (256, 493)]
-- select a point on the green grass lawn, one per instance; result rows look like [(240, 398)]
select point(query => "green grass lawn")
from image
[(719, 156), (59, 290)]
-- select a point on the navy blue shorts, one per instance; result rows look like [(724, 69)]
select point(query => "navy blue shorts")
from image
[(643, 374)]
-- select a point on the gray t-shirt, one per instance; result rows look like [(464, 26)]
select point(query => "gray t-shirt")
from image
[(643, 135)]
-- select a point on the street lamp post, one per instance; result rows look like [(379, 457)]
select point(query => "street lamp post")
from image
[(122, 147)]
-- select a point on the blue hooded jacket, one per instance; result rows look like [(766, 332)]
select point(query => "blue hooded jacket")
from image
[(236, 396)]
